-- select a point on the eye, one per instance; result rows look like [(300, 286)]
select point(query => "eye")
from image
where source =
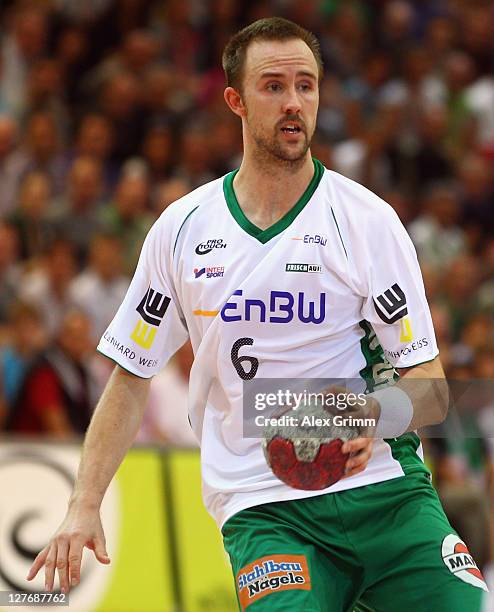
[(274, 86), (305, 86)]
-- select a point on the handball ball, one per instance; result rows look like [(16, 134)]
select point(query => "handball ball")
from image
[(303, 454)]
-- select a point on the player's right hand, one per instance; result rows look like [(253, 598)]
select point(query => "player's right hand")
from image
[(63, 553)]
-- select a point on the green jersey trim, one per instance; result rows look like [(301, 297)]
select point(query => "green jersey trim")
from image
[(379, 372), (404, 450), (256, 232), (339, 233), (180, 229)]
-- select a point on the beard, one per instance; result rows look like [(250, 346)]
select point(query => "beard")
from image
[(270, 147)]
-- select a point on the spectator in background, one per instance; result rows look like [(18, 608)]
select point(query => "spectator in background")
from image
[(436, 234), (196, 165), (157, 152), (5, 107), (165, 419), (42, 149), (345, 39), (226, 144), (168, 192), (32, 218), (47, 285), (442, 327), (120, 103), (395, 28), (440, 37), (127, 215), (10, 272), (45, 92), (477, 336), (58, 392), (166, 94), (479, 98), (95, 139), (99, 290), (82, 12), (416, 87), (486, 288), (459, 292), (477, 24), (477, 197), (24, 42), (76, 216), (422, 160), (137, 52), (26, 338), (11, 164), (401, 204), (459, 72)]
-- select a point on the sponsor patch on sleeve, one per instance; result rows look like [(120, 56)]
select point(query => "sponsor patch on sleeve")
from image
[(152, 309), (272, 574), (460, 562)]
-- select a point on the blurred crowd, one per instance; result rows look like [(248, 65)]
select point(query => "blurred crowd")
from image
[(112, 109)]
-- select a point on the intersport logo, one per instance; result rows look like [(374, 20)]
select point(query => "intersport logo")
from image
[(210, 272)]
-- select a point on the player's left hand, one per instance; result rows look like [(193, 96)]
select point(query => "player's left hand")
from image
[(360, 450)]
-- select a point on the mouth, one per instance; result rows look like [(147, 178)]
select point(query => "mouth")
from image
[(291, 128)]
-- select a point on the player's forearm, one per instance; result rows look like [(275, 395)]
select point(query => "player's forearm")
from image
[(427, 389), (424, 401), (112, 430)]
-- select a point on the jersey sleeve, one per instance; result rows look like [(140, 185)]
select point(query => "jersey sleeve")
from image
[(396, 303), (148, 328)]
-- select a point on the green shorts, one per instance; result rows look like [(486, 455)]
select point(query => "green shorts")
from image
[(385, 547)]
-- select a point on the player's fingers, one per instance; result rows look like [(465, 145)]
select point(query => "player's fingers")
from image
[(50, 562), (357, 463), (355, 470), (62, 563), (100, 550), (358, 460), (357, 445), (75, 558), (38, 563)]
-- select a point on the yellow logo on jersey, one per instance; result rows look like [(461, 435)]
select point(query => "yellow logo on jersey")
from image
[(143, 334), (406, 334), (205, 313)]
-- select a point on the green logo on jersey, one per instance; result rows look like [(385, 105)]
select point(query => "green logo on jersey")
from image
[(303, 267)]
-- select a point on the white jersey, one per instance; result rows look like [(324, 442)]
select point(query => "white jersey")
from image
[(331, 290)]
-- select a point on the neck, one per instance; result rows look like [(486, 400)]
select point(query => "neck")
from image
[(267, 189)]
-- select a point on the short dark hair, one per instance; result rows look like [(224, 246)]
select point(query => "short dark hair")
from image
[(270, 28)]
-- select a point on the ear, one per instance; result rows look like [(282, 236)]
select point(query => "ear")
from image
[(234, 101)]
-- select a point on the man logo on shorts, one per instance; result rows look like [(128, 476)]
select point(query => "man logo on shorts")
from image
[(460, 562), (272, 574)]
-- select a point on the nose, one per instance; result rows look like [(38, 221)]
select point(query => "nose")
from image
[(291, 102)]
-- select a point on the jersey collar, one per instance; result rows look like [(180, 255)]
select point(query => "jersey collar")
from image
[(264, 235)]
